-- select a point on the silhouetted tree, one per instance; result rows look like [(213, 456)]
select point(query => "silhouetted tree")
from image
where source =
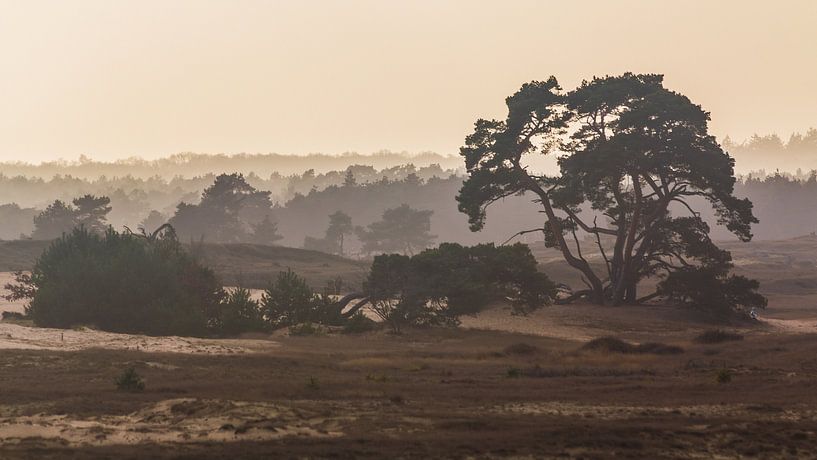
[(91, 212), (402, 229), (56, 219), (634, 149), (266, 232), (340, 225), (349, 180), (226, 213), (154, 220)]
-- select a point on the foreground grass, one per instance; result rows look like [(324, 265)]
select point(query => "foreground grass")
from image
[(445, 393)]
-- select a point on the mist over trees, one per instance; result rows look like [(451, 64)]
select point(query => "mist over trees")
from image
[(770, 153), (202, 164), (230, 211), (302, 202), (401, 230), (87, 211)]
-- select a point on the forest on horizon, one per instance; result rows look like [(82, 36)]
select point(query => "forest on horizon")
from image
[(304, 191)]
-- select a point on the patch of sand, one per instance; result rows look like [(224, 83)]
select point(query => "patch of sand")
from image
[(13, 336), (174, 421), (793, 326)]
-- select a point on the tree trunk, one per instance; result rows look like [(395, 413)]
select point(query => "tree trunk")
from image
[(631, 294)]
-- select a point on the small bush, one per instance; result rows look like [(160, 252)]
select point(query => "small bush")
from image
[(514, 373), (312, 384), (718, 336), (521, 349), (130, 381), (654, 348), (609, 345), (359, 324), (379, 378), (239, 313), (723, 376), (307, 329), (614, 345), (289, 301), (543, 372)]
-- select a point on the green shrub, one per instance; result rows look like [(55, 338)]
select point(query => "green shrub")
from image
[(121, 282), (239, 313), (288, 301), (723, 376), (130, 380), (514, 373)]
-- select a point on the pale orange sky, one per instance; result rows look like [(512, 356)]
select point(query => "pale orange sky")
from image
[(115, 78)]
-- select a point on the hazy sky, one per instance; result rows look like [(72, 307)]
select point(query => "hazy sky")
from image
[(114, 78)]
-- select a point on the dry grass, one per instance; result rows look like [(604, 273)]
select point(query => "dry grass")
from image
[(439, 392)]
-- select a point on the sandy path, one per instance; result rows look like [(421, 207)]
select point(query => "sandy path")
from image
[(13, 336)]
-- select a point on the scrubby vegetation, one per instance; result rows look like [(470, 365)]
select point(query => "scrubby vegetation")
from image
[(717, 336), (614, 345), (121, 282), (130, 380), (239, 313), (439, 285), (148, 283)]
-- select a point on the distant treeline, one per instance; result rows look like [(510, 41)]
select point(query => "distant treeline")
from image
[(133, 198), (198, 165), (769, 153), (300, 205)]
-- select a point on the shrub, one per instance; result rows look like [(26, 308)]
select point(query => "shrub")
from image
[(718, 336), (121, 282), (521, 348), (130, 380), (239, 313), (438, 286), (359, 324), (288, 301), (713, 291), (541, 372), (614, 345), (305, 329), (723, 376), (609, 345)]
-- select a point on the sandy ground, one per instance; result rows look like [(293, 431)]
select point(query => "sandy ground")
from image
[(172, 421), (13, 336)]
